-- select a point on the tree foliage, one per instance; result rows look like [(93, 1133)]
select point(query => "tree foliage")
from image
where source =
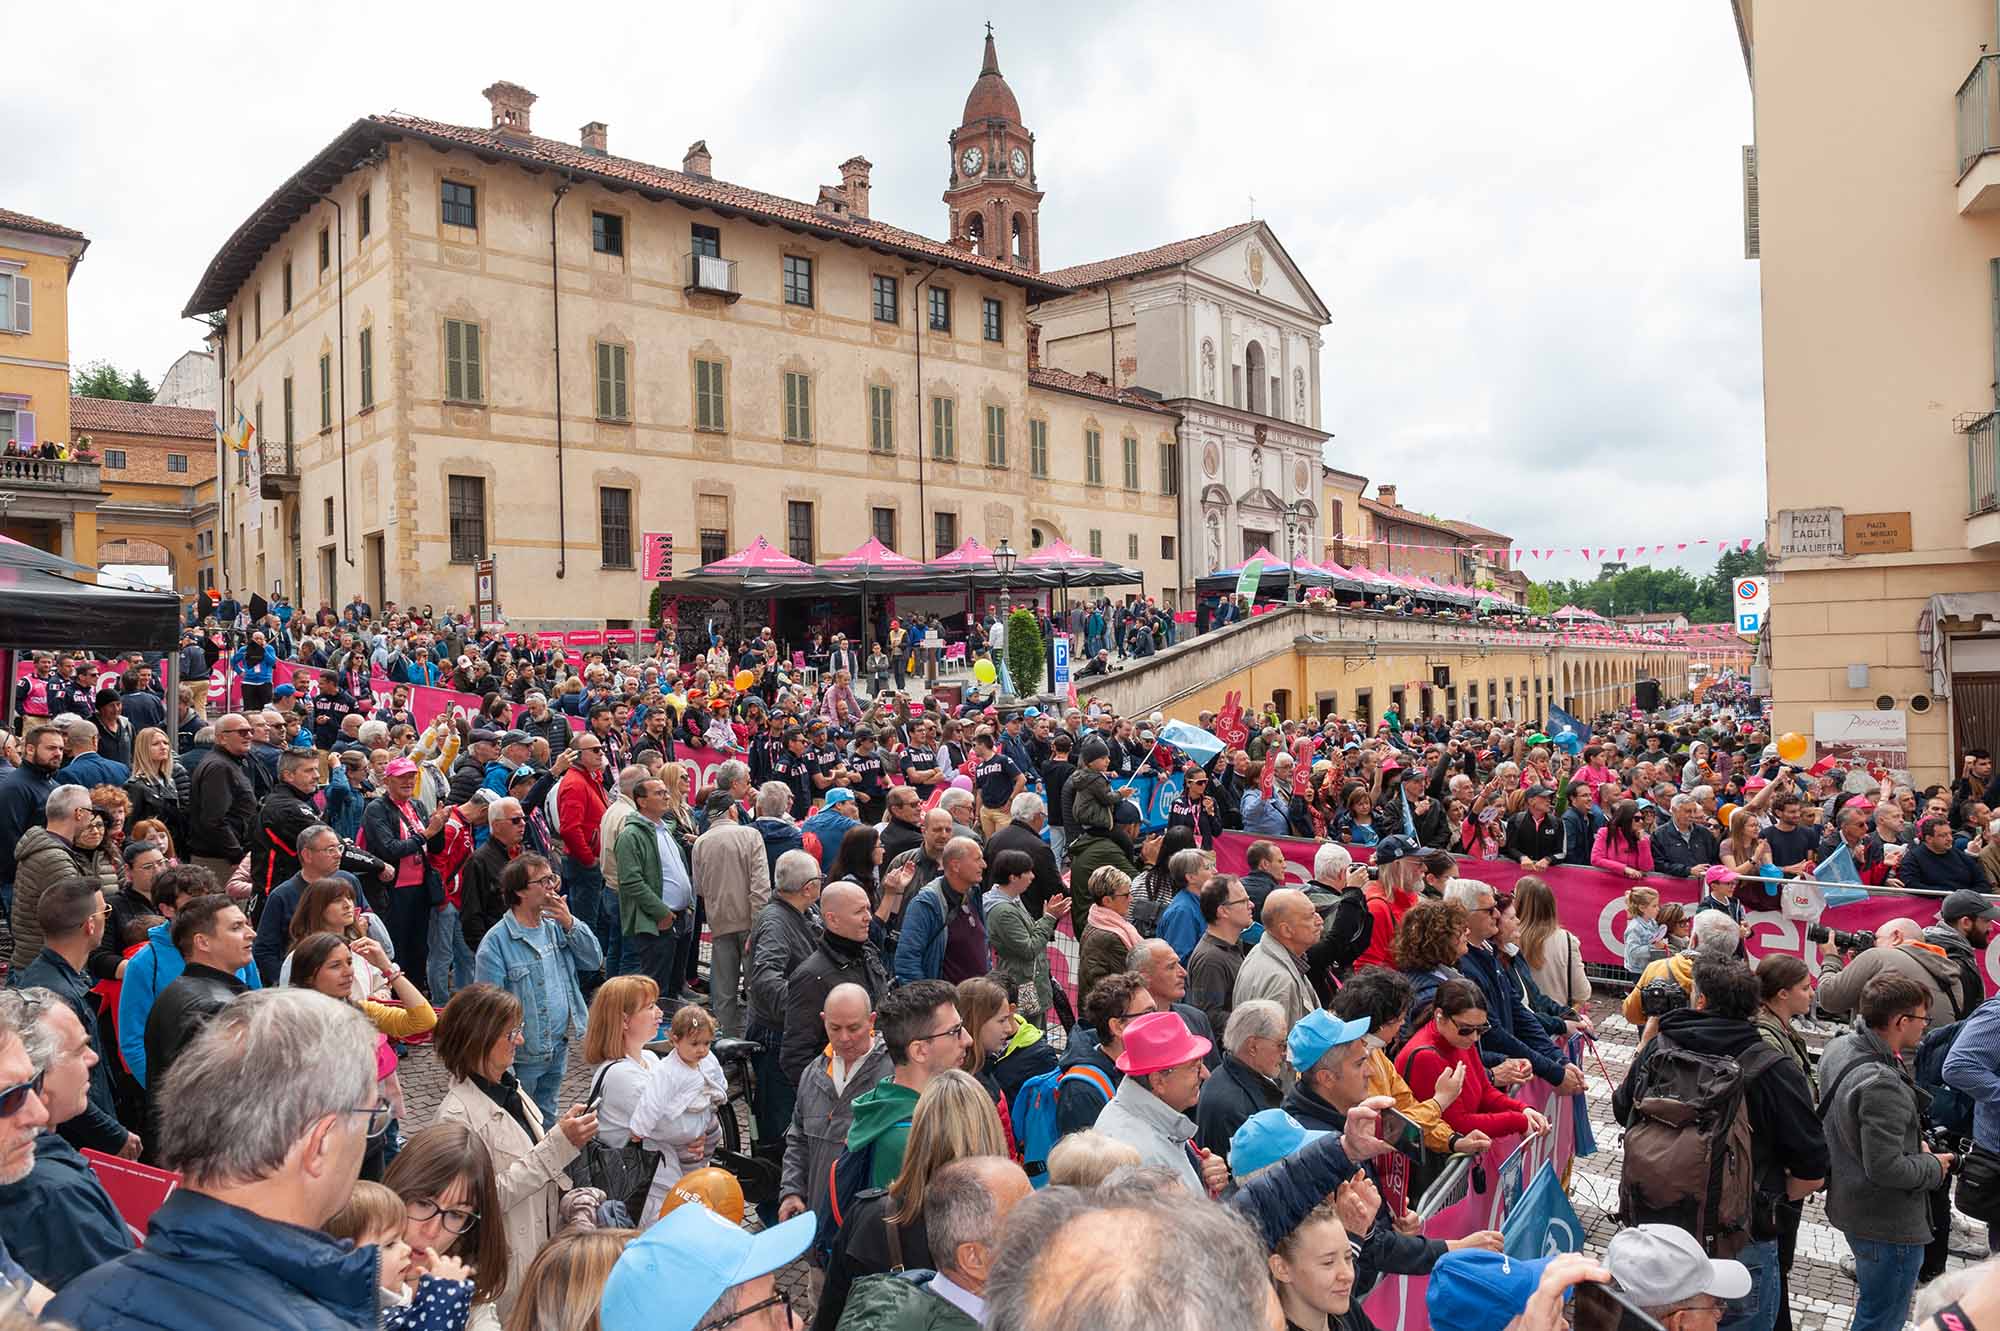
[(100, 378), (1646, 590), (1024, 652)]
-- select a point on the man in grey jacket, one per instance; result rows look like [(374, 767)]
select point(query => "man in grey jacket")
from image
[(780, 941), (1899, 949), (1874, 1119), (827, 1092)]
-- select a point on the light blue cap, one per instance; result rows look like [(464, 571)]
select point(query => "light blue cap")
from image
[(671, 1275), (1265, 1138), (1318, 1032)]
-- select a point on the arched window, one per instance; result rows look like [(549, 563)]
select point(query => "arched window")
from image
[(1257, 380), (1020, 227), (975, 231)]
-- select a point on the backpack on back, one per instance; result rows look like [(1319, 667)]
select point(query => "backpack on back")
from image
[(848, 1178), (1034, 1113), (1687, 1158), (1949, 1108)]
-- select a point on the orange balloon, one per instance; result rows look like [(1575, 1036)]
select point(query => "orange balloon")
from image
[(717, 1189), (744, 679), (1725, 813), (1791, 746)]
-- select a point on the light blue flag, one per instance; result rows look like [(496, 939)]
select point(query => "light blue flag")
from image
[(1192, 740), (1839, 868), (1542, 1222)]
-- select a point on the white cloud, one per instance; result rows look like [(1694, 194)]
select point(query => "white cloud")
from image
[(1524, 218)]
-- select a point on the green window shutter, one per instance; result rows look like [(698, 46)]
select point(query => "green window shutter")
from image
[(475, 384), (454, 360)]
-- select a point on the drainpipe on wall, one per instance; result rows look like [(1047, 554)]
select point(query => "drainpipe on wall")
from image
[(1111, 335), (555, 309), (917, 304)]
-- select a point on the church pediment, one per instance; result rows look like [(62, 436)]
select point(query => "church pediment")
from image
[(1260, 501), (1255, 261)]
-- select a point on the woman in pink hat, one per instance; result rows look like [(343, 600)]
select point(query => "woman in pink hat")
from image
[(1164, 1068), (394, 828)]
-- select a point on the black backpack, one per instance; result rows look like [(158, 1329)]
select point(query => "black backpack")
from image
[(847, 1185), (1949, 1108)]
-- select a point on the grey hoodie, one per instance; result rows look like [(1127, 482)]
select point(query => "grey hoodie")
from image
[(1840, 992)]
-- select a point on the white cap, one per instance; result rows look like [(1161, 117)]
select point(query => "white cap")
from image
[(1658, 1265)]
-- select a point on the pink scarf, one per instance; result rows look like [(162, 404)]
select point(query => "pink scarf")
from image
[(1109, 920)]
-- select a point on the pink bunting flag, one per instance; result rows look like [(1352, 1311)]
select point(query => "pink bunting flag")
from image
[(1621, 552), (1746, 545), (1681, 546)]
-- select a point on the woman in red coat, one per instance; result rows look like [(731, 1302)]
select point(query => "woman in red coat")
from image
[(1452, 1036), (1399, 867)]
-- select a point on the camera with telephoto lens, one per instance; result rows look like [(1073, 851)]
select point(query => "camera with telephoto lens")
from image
[(1858, 941), (1943, 1141), (1659, 997)]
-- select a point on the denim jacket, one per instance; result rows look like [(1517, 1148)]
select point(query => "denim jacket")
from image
[(508, 959)]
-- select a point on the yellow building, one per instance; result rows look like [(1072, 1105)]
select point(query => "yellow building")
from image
[(1362, 532), (453, 341), (47, 503), (1876, 222)]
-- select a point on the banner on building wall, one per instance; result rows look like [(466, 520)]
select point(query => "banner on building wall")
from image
[(1868, 738)]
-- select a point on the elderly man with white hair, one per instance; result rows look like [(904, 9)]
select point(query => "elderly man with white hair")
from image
[(1684, 846), (1513, 1032), (1247, 1083), (1713, 933)]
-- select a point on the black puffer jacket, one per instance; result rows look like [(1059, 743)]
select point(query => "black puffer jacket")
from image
[(223, 810)]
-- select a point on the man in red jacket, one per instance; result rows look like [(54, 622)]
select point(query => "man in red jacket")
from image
[(580, 805)]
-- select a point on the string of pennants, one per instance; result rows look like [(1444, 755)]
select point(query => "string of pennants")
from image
[(1498, 554)]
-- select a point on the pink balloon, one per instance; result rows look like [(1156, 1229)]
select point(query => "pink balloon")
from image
[(961, 782)]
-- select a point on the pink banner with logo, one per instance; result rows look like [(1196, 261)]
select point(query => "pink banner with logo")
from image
[(1592, 902), (626, 637), (584, 637)]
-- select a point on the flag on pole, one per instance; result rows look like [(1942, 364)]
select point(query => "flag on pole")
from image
[(239, 438)]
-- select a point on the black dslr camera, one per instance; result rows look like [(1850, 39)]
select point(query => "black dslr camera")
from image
[(1858, 941), (1943, 1141), (1659, 997)]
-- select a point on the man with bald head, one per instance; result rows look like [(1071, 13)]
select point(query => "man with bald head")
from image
[(222, 800), (1275, 968), (854, 1061), (1899, 948), (844, 956), (944, 926)]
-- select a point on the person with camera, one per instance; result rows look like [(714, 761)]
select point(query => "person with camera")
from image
[(1880, 1199), (1712, 1042), (1898, 947)]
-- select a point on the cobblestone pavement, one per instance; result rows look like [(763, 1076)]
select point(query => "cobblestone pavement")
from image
[(1822, 1295)]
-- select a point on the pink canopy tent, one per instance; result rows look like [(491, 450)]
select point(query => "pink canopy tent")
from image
[(872, 557), (1059, 555), (759, 559), (970, 556)]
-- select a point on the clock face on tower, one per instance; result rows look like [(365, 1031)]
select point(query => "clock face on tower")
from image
[(1020, 162), (971, 161)]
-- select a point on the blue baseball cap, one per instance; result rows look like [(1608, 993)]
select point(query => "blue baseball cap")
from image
[(1031, 712), (671, 1275), (1319, 1032), (1476, 1290), (283, 691), (1266, 1137), (840, 795)]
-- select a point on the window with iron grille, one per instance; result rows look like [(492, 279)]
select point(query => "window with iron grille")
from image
[(798, 407), (614, 526), (465, 498), (612, 399), (996, 436), (326, 392), (1038, 448), (367, 359), (458, 205), (798, 280), (940, 310), (708, 395), (326, 512), (799, 530), (881, 420), (888, 300), (714, 545), (944, 533), (1093, 458), (463, 378), (1166, 547), (882, 525), (1131, 462), (1170, 468), (1097, 542), (177, 462), (944, 428), (607, 233), (990, 317)]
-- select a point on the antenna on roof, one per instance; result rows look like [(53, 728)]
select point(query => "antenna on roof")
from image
[(1253, 207)]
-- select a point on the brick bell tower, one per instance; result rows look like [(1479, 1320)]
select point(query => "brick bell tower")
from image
[(995, 207)]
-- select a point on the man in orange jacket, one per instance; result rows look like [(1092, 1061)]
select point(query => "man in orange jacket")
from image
[(580, 806)]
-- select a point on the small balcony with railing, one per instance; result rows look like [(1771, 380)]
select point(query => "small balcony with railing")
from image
[(1978, 172), (52, 474), (708, 275), (278, 470), (1982, 471)]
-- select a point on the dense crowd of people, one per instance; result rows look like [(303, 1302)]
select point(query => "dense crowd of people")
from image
[(1003, 1040)]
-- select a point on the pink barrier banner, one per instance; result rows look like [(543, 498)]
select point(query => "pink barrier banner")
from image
[(584, 637), (628, 636), (1592, 902), (1397, 1303), (550, 639)]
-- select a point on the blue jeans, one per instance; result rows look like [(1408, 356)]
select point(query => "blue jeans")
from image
[(596, 907), (448, 959), (1885, 1275), (542, 1079), (1757, 1310)]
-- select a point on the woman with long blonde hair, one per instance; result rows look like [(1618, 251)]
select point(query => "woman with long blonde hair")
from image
[(1743, 850), (564, 1285)]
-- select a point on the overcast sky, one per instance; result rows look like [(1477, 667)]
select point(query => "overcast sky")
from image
[(1526, 219)]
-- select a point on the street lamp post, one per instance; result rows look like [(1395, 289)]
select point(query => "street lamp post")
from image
[(1004, 560)]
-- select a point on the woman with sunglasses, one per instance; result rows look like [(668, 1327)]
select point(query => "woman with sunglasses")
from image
[(1451, 1039), (451, 1204), (325, 963)]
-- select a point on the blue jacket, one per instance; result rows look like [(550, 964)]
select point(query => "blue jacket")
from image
[(248, 673), (1181, 924), (152, 969), (93, 769), (59, 1222), (97, 1126), (1973, 1066), (507, 959), (1514, 1031), (831, 826), (1276, 1199), (23, 793), (920, 950), (1264, 817), (779, 837), (1383, 1249), (216, 1266), (343, 804)]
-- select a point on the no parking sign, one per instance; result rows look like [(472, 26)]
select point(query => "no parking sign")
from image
[(1751, 601)]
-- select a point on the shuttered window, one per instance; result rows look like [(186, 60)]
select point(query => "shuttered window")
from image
[(463, 380), (612, 404), (1093, 458), (881, 420), (944, 428), (798, 407), (1038, 448), (996, 436), (708, 395)]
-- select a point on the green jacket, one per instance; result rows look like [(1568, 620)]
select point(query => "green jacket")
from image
[(900, 1302), (1020, 947), (637, 854), (882, 1116)]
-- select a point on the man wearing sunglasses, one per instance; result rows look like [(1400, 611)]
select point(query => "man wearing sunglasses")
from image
[(23, 1115), (239, 1242)]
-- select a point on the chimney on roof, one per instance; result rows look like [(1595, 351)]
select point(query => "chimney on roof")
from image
[(1386, 494), (594, 136), (698, 162), (1034, 346), (832, 201), (510, 103), (854, 182)]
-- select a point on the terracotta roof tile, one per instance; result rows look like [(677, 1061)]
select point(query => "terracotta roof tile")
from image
[(1090, 385), (1410, 516), (89, 414), (1145, 261), (23, 222), (1474, 529)]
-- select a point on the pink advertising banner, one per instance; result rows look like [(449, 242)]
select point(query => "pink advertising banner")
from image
[(1592, 903), (584, 637)]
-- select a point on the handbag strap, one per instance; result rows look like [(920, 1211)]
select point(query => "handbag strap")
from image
[(895, 1237)]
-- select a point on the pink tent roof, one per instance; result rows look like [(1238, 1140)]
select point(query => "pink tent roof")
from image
[(1577, 612), (758, 559), (1058, 553), (969, 555), (873, 557)]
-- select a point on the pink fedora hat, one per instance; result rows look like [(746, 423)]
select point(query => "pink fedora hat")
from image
[(1158, 1041)]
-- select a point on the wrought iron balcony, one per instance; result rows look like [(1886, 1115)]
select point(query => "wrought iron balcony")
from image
[(1978, 162), (278, 475), (50, 474), (712, 276)]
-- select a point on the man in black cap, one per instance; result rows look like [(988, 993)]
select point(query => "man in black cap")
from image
[(1534, 835), (469, 773), (789, 765), (1964, 927)]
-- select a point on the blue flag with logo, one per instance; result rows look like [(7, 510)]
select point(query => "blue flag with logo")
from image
[(1155, 796), (1562, 724), (1542, 1223)]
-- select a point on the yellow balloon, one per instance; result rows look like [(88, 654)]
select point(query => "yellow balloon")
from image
[(744, 679), (983, 671), (1791, 746)]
